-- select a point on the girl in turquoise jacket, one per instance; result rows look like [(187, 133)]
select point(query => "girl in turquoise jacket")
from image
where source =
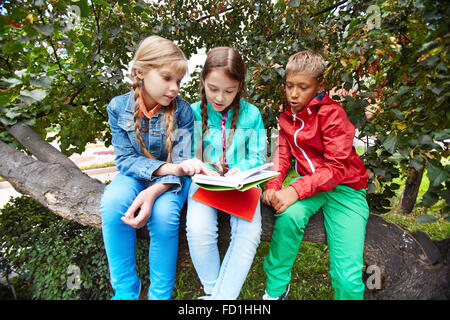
[(229, 137)]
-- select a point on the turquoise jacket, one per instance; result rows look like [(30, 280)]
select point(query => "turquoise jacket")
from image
[(248, 149)]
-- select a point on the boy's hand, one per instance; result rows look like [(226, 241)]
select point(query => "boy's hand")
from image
[(282, 199), (267, 196)]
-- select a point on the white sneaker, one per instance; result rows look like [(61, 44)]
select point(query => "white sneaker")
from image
[(282, 297)]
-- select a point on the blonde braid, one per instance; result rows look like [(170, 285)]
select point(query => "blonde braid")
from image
[(169, 120), (137, 127)]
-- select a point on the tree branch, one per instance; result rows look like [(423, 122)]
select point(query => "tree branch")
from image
[(58, 62), (99, 112), (72, 98), (329, 8), (67, 192), (220, 12), (97, 22), (40, 148), (7, 62)]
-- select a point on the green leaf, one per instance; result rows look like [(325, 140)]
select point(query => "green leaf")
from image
[(417, 163), (445, 194), (436, 175), (36, 95), (13, 112), (10, 48), (425, 139), (101, 2), (442, 135), (390, 143), (7, 121), (426, 218), (46, 29), (5, 97), (12, 82), (403, 90), (41, 82), (30, 122), (429, 198)]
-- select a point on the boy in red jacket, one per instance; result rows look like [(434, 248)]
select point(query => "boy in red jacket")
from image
[(316, 131)]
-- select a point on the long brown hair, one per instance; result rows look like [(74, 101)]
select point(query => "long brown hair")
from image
[(154, 52), (231, 62)]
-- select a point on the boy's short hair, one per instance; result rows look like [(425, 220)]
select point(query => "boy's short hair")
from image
[(306, 61)]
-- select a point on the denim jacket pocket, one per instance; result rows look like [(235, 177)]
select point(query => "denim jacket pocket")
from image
[(126, 123)]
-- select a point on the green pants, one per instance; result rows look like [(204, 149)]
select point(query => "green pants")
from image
[(345, 216)]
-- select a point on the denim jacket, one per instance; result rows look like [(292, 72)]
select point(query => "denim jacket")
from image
[(248, 149), (129, 158)]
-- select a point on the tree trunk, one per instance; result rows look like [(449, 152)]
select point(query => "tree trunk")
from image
[(410, 266), (409, 195)]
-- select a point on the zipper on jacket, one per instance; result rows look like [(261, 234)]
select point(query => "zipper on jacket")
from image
[(311, 165)]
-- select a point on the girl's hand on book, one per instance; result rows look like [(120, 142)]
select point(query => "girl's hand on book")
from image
[(282, 199), (191, 167), (210, 172), (232, 171)]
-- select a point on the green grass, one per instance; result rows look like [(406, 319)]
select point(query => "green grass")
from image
[(310, 279), (309, 276)]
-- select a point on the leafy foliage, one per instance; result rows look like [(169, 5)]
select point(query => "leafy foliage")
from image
[(48, 252), (387, 60)]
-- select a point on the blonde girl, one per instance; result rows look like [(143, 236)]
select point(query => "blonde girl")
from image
[(151, 130)]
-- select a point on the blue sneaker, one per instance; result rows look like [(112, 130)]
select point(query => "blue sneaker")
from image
[(129, 295), (282, 297)]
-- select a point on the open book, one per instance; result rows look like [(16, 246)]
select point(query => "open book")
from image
[(242, 181)]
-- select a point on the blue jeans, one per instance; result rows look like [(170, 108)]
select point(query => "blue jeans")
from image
[(120, 238), (222, 282)]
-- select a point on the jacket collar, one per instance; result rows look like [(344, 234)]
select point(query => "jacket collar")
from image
[(130, 104), (215, 114), (319, 100)]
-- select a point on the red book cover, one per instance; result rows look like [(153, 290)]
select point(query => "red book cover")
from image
[(239, 203)]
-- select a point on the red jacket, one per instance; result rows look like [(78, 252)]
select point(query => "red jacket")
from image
[(320, 137)]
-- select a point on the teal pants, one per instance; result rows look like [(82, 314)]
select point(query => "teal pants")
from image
[(345, 216)]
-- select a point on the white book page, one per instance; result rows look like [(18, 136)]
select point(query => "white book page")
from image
[(260, 175), (235, 180)]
